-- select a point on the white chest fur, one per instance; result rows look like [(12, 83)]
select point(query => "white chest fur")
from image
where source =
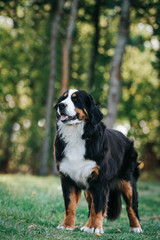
[(73, 164)]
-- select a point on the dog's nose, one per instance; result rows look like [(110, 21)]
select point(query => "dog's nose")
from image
[(62, 106)]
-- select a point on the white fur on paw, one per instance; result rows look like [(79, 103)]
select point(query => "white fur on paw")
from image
[(62, 227), (99, 231), (91, 230), (85, 229), (135, 230)]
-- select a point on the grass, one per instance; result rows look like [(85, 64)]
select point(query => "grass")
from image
[(31, 208)]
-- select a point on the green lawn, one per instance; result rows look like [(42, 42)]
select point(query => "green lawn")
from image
[(31, 208)]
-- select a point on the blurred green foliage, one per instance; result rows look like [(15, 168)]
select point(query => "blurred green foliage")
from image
[(24, 68)]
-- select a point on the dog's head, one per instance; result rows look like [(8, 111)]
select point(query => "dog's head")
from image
[(75, 106)]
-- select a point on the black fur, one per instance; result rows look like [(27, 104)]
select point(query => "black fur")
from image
[(60, 146), (113, 153), (114, 205)]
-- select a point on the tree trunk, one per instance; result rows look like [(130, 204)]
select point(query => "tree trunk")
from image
[(6, 156), (94, 52), (115, 74), (67, 46), (51, 83)]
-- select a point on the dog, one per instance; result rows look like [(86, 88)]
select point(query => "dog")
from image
[(100, 161)]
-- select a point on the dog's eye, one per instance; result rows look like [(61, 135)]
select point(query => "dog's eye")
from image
[(75, 99)]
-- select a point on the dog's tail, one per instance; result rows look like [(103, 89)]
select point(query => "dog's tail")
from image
[(114, 205)]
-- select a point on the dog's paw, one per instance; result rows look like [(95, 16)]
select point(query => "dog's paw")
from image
[(92, 230), (62, 227), (135, 230)]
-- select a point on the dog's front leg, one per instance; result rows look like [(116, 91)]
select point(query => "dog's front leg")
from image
[(97, 201), (71, 195)]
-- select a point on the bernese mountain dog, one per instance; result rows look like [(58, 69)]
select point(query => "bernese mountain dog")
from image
[(100, 161)]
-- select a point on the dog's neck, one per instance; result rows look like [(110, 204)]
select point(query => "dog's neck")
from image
[(70, 132)]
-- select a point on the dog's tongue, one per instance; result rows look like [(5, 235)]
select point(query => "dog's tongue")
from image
[(63, 117)]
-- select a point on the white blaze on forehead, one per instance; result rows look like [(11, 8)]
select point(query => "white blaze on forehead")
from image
[(70, 92), (69, 104)]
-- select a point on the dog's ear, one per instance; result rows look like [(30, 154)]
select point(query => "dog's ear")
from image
[(94, 114), (94, 117)]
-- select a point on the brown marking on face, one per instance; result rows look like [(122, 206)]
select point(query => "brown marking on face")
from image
[(70, 212), (74, 95), (95, 172), (82, 114), (95, 220), (126, 189)]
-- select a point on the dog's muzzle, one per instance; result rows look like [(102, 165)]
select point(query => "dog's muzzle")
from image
[(64, 117)]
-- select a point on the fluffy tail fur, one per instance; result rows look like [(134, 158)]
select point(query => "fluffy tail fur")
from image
[(114, 205)]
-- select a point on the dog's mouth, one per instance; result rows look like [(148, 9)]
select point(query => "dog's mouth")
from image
[(66, 118)]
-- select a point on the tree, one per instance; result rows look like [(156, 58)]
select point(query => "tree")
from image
[(115, 74), (94, 51), (51, 83), (67, 46), (25, 66)]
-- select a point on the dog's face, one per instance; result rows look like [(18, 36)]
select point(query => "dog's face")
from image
[(75, 106)]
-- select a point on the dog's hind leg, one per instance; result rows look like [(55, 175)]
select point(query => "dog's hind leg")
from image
[(129, 193), (89, 200), (97, 201)]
